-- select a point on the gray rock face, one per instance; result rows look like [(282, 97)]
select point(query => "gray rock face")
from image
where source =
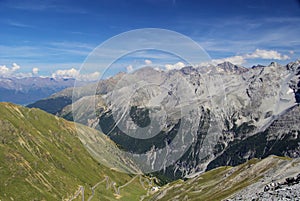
[(228, 67), (247, 181), (252, 101), (289, 189), (279, 138)]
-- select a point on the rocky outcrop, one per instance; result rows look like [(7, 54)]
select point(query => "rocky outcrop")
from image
[(289, 189), (228, 67), (243, 182), (289, 181), (280, 138)]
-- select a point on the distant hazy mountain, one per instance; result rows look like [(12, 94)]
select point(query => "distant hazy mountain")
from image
[(30, 89), (235, 113), (56, 102)]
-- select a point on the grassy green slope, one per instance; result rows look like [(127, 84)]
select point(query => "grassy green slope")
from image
[(42, 158), (222, 182)]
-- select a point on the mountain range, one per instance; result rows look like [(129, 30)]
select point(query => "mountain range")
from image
[(44, 157), (245, 105), (31, 89), (199, 132)]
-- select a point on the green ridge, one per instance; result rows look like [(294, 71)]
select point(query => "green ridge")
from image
[(218, 184), (42, 158)]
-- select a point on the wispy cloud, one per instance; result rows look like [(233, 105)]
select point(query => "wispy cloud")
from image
[(44, 57), (129, 68), (7, 51), (46, 5), (71, 45), (7, 72), (69, 48), (257, 54), (266, 54), (238, 60), (241, 35), (17, 24), (35, 70), (43, 52), (13, 71), (73, 73), (177, 65), (148, 62)]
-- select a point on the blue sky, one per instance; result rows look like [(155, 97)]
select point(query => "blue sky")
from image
[(55, 35)]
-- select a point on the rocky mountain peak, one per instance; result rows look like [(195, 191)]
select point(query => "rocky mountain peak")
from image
[(274, 64), (146, 71), (294, 66), (188, 70), (231, 68), (258, 66)]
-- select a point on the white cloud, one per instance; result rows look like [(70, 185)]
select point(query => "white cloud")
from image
[(8, 72), (158, 69), (13, 72), (70, 73), (129, 68), (15, 67), (4, 70), (35, 71), (148, 62), (237, 60), (267, 54), (73, 73), (257, 54), (178, 65), (89, 77)]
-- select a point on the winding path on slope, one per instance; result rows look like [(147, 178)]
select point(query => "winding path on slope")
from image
[(109, 185), (79, 191), (95, 186), (118, 190)]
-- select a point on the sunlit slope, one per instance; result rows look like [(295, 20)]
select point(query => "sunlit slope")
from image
[(224, 182), (42, 158)]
